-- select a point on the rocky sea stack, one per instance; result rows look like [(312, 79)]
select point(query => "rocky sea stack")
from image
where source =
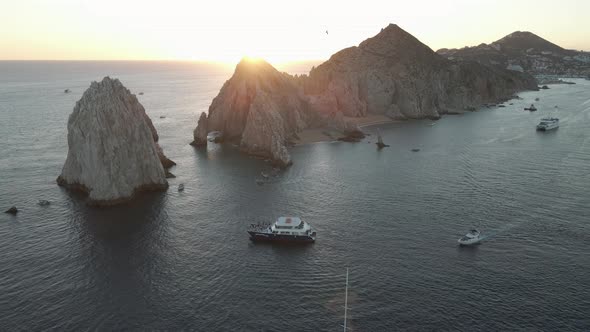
[(113, 151), (258, 108), (391, 74)]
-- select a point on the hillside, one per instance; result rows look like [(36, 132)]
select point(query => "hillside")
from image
[(525, 51)]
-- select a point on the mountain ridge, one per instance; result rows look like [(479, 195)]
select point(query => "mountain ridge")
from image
[(527, 52)]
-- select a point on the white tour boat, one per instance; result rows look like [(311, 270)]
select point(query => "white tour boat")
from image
[(284, 229)]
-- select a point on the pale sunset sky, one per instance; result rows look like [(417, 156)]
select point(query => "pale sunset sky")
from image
[(278, 31)]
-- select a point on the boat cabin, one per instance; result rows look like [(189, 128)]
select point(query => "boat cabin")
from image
[(290, 226)]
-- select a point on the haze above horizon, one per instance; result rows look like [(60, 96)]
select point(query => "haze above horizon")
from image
[(226, 31)]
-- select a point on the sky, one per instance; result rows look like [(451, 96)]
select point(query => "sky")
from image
[(278, 31)]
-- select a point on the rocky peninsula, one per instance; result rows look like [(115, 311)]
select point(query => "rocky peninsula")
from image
[(391, 74), (113, 149)]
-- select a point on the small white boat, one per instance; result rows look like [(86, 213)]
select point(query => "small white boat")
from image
[(548, 124), (471, 238)]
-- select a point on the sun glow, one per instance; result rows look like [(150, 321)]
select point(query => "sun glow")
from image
[(226, 31)]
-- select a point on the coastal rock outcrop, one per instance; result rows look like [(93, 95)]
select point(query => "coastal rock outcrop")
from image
[(390, 74), (396, 75), (112, 146), (259, 109), (200, 133)]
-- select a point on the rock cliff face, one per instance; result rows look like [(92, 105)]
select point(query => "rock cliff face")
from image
[(392, 73), (113, 150), (395, 74)]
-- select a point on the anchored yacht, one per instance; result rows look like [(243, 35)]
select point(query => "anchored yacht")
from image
[(548, 124), (284, 229)]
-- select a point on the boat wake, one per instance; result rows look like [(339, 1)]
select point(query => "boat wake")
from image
[(490, 235)]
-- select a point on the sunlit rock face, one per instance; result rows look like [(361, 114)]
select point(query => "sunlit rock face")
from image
[(260, 108), (112, 146)]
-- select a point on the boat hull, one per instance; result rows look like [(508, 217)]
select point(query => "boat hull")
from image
[(470, 242), (541, 128), (269, 237)]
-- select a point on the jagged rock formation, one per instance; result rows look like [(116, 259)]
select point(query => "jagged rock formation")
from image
[(525, 51), (113, 150), (392, 73), (200, 133), (395, 74), (259, 109)]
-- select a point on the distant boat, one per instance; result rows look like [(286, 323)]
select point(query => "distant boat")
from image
[(415, 150), (532, 108), (284, 229), (471, 238), (537, 99), (141, 93), (548, 124), (67, 91)]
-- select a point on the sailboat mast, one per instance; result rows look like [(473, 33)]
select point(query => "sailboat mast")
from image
[(346, 300)]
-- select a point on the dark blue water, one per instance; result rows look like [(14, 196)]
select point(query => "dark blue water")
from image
[(171, 261)]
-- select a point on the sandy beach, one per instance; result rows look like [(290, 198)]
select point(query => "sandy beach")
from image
[(314, 135)]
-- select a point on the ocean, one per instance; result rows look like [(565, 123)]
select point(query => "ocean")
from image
[(183, 260)]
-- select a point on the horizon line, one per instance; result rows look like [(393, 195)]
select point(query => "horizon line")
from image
[(152, 60)]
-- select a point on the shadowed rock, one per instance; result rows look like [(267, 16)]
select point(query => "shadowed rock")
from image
[(200, 133), (380, 144), (259, 109), (13, 210)]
